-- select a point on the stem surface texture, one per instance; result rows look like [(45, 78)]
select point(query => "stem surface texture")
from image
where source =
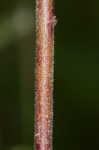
[(45, 21)]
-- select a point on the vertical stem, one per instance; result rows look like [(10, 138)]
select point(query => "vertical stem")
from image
[(45, 21)]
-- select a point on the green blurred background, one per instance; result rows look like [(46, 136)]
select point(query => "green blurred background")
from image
[(76, 92)]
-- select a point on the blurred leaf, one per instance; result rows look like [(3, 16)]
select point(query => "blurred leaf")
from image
[(21, 148)]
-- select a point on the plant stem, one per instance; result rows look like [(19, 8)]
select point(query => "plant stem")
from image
[(45, 21)]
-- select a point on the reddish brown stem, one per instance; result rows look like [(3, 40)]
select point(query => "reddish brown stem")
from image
[(45, 21)]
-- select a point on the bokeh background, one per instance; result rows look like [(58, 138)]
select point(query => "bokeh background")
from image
[(76, 85)]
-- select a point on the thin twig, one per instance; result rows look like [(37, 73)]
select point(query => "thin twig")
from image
[(45, 21)]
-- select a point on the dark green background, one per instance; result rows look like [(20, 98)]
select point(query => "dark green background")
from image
[(76, 92)]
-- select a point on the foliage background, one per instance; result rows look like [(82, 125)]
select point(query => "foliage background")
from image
[(76, 92)]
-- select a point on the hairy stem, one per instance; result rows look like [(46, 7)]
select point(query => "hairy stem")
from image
[(45, 21)]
